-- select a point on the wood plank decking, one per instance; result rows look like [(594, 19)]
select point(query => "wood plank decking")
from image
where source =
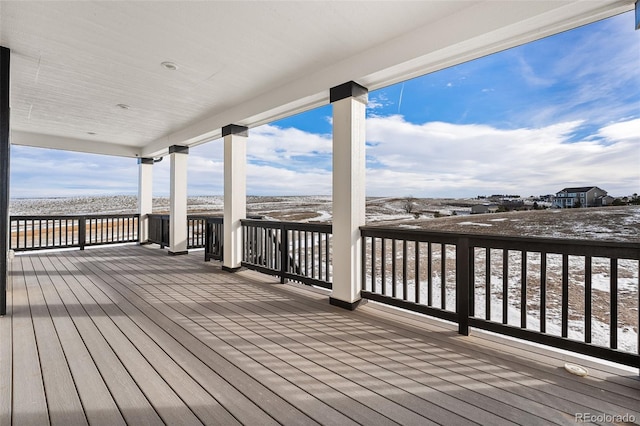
[(129, 335)]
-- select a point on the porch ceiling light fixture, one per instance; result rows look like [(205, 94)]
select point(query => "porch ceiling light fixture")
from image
[(91, 133), (171, 66), (123, 106)]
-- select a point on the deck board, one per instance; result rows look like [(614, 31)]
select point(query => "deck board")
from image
[(134, 336)]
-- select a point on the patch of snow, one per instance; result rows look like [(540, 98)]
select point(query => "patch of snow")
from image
[(475, 224), (407, 226)]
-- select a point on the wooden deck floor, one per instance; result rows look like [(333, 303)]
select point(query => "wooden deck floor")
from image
[(129, 335)]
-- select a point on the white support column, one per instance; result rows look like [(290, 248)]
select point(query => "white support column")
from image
[(145, 196), (178, 201), (235, 193), (349, 104)]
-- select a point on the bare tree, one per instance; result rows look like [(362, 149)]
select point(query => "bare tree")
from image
[(409, 204)]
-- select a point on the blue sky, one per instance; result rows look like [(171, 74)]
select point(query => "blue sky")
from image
[(562, 111)]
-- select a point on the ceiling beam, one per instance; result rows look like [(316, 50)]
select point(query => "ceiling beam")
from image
[(72, 144)]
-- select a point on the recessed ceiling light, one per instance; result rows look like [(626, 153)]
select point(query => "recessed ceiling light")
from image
[(91, 133), (123, 106), (171, 66)]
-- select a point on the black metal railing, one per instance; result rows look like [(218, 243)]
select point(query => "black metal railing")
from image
[(159, 230), (214, 239), (196, 231), (537, 289), (52, 232), (292, 251)]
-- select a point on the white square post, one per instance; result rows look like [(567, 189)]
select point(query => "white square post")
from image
[(178, 202), (349, 102), (235, 193), (145, 197)]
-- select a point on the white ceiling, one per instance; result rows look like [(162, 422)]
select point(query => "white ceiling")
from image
[(239, 62)]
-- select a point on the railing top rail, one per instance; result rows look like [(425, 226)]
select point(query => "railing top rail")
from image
[(297, 226), (71, 217), (627, 250)]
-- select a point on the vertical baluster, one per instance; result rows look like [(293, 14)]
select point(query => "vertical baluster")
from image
[(383, 265), (543, 292), (587, 299), (313, 254), (487, 278), (505, 286), (565, 295), (523, 290), (404, 270), (613, 292), (300, 249), (429, 275), (256, 247), (33, 232), (443, 276), (417, 271), (472, 281), (393, 268), (25, 232), (306, 254), (374, 261)]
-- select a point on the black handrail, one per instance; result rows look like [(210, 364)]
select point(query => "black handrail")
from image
[(421, 274), (37, 232)]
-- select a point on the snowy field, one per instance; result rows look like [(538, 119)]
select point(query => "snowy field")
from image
[(608, 223), (605, 224)]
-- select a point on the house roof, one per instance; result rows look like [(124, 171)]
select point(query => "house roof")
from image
[(579, 189), (245, 63)]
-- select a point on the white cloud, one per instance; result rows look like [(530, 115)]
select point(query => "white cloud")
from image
[(625, 130), (273, 144), (444, 159)]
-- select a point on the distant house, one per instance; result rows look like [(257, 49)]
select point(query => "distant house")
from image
[(584, 196), (484, 208), (607, 200)]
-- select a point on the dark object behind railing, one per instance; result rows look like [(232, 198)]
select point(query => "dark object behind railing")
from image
[(293, 251), (395, 260), (196, 230), (214, 237), (49, 232), (159, 229)]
